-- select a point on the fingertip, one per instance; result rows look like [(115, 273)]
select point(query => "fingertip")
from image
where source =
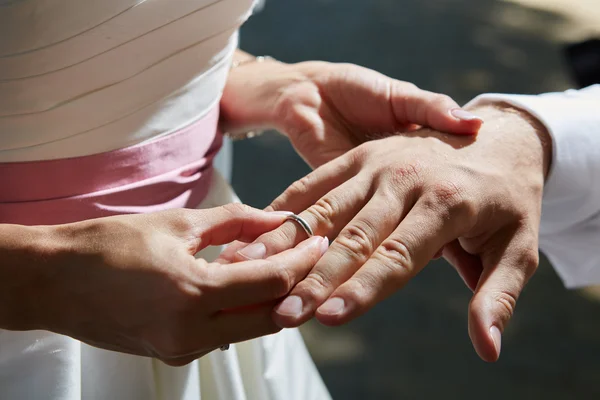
[(447, 121), (324, 246), (468, 123), (329, 320), (332, 308), (285, 321), (332, 320), (339, 309), (314, 242), (484, 345), (288, 313), (486, 337), (497, 339), (465, 116)]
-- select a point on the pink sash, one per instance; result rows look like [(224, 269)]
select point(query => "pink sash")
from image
[(170, 172)]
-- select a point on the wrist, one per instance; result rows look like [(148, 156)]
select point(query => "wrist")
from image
[(522, 127), (258, 93), (26, 262), (248, 97)]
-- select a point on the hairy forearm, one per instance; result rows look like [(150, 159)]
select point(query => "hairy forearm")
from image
[(24, 261), (523, 124)]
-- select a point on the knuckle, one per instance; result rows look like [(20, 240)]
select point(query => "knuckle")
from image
[(356, 240), (182, 221), (237, 209), (358, 292), (507, 303), (408, 87), (290, 109), (438, 103), (407, 172), (325, 211), (301, 186), (446, 194), (453, 198), (315, 286), (405, 93), (396, 258), (208, 283), (441, 100), (298, 188), (359, 154)]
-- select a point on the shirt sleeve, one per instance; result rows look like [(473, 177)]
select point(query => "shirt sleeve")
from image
[(570, 226)]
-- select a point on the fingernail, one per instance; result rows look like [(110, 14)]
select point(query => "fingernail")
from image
[(255, 251), (497, 338), (332, 306), (313, 241), (291, 306), (282, 213), (464, 115), (324, 245)]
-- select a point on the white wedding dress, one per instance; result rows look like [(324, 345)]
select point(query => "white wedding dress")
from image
[(80, 77)]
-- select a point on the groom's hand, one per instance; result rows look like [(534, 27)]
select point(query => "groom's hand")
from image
[(395, 203)]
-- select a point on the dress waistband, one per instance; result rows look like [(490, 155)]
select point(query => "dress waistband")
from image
[(170, 172)]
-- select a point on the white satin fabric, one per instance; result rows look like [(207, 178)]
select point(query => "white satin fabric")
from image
[(79, 77)]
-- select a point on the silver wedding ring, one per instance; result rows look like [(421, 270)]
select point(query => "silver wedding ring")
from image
[(302, 222)]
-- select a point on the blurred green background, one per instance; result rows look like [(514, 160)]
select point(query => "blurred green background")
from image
[(415, 345)]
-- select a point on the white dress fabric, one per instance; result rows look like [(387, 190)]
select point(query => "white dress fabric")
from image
[(80, 77), (43, 365), (570, 226)]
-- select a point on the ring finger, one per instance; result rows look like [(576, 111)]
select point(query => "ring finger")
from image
[(351, 249), (326, 217)]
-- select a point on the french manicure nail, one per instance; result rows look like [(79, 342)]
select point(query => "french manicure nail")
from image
[(255, 251), (464, 115), (332, 306), (291, 306), (313, 241), (324, 245), (497, 338), (282, 213)]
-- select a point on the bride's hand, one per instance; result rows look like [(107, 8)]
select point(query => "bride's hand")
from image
[(131, 283), (327, 109)]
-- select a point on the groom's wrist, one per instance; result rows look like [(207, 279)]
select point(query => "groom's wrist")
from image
[(524, 123)]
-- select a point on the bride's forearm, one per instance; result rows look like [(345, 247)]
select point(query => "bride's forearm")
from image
[(24, 256)]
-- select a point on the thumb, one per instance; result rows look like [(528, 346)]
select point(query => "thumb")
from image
[(495, 298), (412, 105)]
